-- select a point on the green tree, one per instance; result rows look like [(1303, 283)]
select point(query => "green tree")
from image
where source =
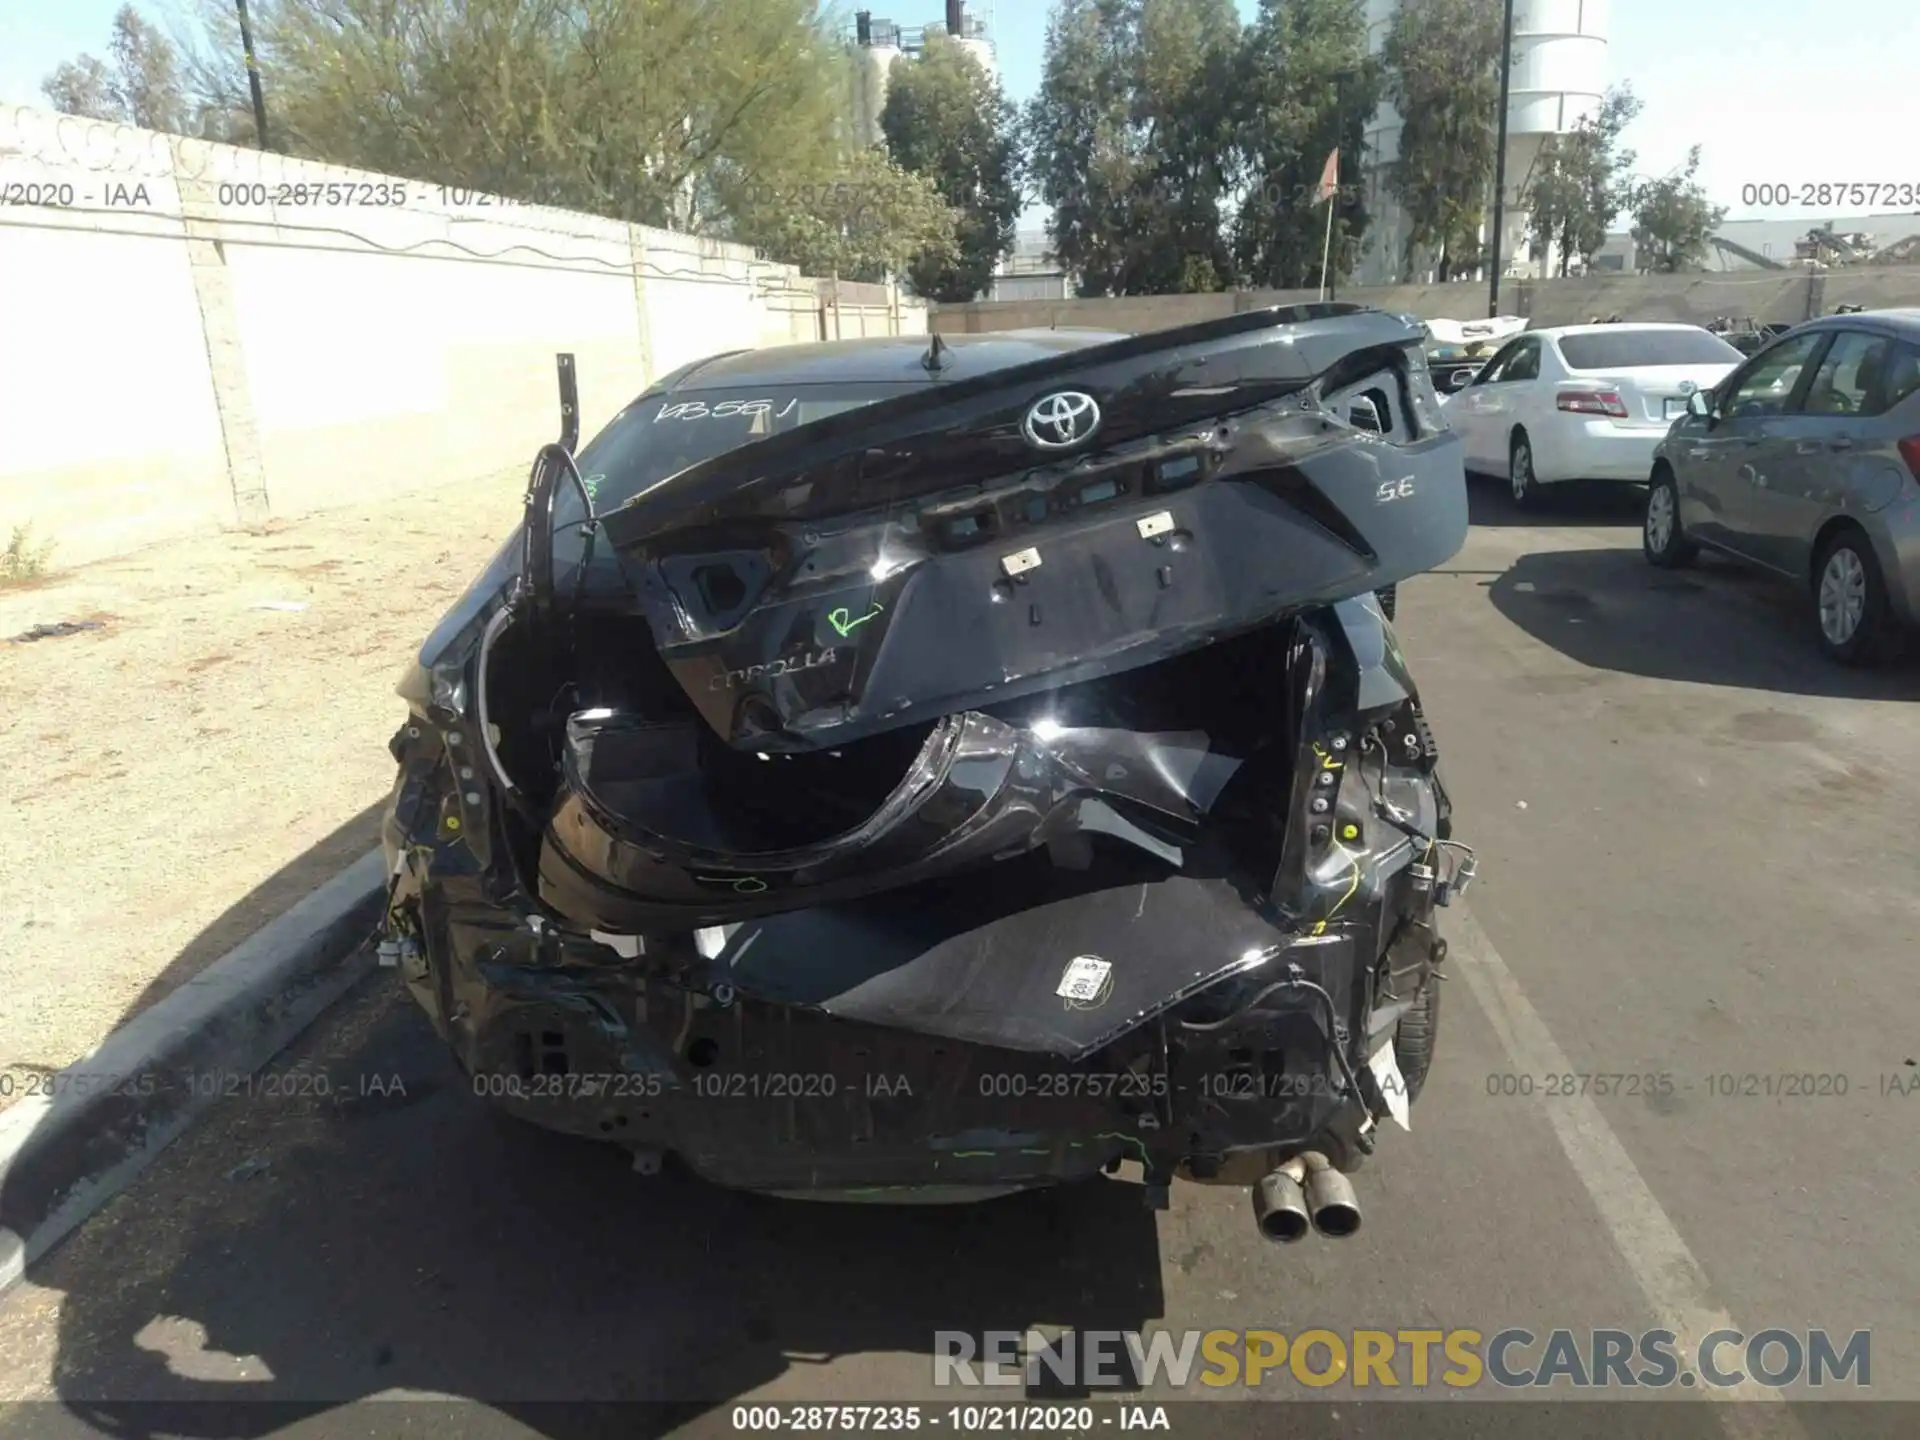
[(83, 86), (142, 86), (621, 107), (1305, 85), (946, 120), (1131, 141), (1087, 158), (1673, 219), (701, 115), (1183, 86), (872, 219), (1443, 76), (1579, 183)]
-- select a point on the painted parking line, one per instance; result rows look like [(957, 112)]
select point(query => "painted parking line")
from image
[(1675, 1285)]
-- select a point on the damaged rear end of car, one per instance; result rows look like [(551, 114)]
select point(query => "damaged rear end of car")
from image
[(916, 772)]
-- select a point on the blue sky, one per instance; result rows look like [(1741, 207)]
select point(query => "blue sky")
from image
[(1774, 90)]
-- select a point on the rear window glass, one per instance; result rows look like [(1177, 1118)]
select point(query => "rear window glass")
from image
[(660, 436), (1623, 348)]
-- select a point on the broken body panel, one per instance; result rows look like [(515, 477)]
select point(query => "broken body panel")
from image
[(937, 799)]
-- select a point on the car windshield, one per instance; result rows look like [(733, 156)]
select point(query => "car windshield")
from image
[(1624, 347), (661, 435)]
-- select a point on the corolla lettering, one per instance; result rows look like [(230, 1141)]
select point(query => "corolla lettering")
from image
[(773, 669), (700, 410)]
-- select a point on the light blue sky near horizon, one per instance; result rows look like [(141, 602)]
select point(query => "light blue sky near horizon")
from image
[(1770, 94)]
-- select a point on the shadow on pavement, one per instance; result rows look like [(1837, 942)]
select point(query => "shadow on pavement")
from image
[(1490, 504), (266, 902), (1714, 624), (394, 1233)]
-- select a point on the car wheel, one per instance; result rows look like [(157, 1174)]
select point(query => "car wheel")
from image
[(1526, 486), (1661, 537), (1856, 623), (1414, 1036)]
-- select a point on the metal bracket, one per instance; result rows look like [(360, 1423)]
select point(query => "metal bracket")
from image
[(569, 402)]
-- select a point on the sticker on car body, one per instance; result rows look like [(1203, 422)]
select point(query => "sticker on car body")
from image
[(1086, 982)]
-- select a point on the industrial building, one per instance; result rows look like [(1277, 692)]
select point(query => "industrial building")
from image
[(882, 42), (1761, 244), (1559, 77), (1030, 271), (1756, 244)]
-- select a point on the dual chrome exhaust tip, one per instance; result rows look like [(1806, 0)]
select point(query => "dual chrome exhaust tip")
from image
[(1306, 1193)]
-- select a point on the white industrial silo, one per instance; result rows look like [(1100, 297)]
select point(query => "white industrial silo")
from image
[(1559, 78), (1383, 130), (878, 43), (974, 34), (1386, 240), (981, 49), (878, 46)]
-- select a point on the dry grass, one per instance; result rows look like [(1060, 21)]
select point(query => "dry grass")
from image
[(24, 559)]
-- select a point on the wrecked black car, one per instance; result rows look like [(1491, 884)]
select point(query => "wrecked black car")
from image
[(919, 771)]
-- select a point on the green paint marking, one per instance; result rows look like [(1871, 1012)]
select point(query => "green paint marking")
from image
[(592, 486), (843, 621), (1125, 1139)]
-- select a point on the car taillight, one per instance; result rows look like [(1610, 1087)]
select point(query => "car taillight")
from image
[(1592, 402), (1910, 452)]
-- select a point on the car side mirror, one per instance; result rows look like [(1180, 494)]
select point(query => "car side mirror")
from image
[(1363, 414), (1700, 403)]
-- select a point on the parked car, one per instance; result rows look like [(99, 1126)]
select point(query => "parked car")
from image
[(1457, 350), (891, 772), (1806, 462), (1746, 334), (1583, 402)]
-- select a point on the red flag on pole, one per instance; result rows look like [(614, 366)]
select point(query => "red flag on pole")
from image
[(1329, 176)]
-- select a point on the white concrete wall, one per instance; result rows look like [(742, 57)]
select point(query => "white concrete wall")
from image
[(188, 342)]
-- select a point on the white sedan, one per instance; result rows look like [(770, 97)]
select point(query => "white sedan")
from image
[(1583, 402)]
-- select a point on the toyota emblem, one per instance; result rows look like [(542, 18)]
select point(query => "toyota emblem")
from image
[(1060, 420)]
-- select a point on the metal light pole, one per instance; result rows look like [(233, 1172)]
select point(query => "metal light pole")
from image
[(253, 76), (1340, 111), (1500, 161)]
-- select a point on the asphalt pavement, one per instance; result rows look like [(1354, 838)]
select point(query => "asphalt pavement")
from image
[(1697, 848)]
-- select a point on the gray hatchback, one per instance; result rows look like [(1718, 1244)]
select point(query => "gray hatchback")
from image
[(1806, 462)]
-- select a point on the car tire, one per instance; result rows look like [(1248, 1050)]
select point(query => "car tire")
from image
[(1662, 539), (1522, 482), (1414, 1037), (1852, 616)]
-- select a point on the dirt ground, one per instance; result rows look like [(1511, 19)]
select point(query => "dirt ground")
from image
[(209, 753)]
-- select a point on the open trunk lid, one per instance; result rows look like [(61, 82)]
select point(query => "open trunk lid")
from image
[(1043, 525)]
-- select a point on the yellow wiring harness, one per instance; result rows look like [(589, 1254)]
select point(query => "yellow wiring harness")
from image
[(1330, 763)]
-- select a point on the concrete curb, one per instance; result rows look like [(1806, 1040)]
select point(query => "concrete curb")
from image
[(64, 1156)]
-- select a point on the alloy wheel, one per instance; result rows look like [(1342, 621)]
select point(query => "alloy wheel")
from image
[(1660, 517), (1520, 472), (1843, 595)]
